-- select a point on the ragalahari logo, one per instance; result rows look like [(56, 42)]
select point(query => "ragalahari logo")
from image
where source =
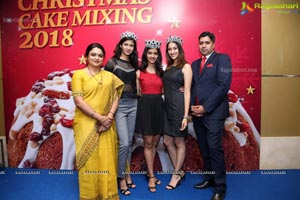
[(246, 8)]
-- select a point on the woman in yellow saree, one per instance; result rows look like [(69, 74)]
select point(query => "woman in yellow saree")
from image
[(96, 94)]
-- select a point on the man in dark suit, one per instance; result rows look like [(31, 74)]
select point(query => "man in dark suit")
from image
[(209, 107)]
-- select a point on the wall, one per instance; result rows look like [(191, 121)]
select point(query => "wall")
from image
[(2, 128), (280, 124)]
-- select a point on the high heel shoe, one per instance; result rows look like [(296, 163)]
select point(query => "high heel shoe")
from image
[(152, 188), (172, 187), (157, 181), (125, 192), (182, 174), (131, 185)]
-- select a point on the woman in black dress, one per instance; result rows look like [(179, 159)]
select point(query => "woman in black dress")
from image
[(149, 121), (177, 80)]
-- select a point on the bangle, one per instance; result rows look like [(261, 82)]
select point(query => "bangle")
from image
[(185, 117), (111, 113)]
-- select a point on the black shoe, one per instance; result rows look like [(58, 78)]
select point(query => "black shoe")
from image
[(218, 196), (125, 192), (152, 188), (182, 174), (203, 185), (157, 182), (131, 185), (172, 187)]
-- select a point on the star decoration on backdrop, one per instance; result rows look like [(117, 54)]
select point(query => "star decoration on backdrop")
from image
[(174, 22), (250, 90), (159, 32), (82, 60)]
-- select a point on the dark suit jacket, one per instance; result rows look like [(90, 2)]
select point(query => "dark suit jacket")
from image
[(212, 85)]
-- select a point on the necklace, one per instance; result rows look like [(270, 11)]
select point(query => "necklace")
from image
[(93, 75)]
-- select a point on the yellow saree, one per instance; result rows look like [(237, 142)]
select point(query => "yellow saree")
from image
[(96, 154)]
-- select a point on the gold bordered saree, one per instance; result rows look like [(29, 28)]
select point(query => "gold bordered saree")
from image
[(96, 154)]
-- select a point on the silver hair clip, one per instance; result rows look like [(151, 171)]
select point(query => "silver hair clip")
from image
[(153, 44), (174, 38), (128, 34)]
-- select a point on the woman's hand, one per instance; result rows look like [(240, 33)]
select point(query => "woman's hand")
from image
[(106, 121), (184, 123), (104, 124), (110, 115), (101, 128)]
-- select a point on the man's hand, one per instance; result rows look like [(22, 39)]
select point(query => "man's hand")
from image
[(197, 111)]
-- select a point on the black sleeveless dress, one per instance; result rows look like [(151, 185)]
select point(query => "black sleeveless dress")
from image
[(174, 102)]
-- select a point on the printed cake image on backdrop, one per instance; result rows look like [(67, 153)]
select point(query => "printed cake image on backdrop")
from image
[(41, 134)]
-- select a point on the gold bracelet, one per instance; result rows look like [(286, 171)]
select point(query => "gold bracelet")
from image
[(185, 117)]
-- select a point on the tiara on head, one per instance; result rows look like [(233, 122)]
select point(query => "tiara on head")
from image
[(128, 34), (153, 44), (174, 38)]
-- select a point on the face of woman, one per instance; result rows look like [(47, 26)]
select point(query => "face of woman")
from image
[(95, 57), (173, 50), (152, 55), (127, 47)]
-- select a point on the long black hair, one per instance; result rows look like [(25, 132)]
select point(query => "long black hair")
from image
[(133, 57), (158, 62)]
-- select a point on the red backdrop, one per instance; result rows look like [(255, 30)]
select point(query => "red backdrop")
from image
[(39, 38)]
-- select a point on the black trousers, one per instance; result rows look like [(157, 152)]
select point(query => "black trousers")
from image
[(209, 133)]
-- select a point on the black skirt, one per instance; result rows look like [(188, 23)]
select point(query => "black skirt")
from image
[(150, 115)]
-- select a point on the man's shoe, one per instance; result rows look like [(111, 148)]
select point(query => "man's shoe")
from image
[(203, 185), (218, 196)]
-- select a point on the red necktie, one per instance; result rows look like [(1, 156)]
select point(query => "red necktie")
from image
[(202, 63), (201, 68)]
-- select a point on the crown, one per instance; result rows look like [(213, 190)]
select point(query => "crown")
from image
[(128, 34), (153, 44), (174, 38)]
